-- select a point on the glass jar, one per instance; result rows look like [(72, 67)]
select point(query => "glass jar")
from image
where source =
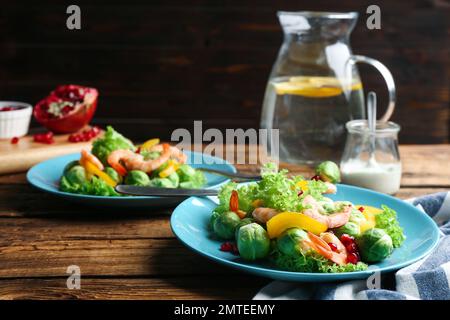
[(372, 160), (314, 87)]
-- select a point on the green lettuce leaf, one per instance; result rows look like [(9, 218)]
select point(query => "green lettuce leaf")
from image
[(110, 141), (387, 220), (312, 262)]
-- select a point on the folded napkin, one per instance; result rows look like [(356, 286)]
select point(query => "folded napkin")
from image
[(427, 279)]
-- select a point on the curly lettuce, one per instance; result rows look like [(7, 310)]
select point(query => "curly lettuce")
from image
[(110, 141), (387, 220), (312, 262), (275, 190)]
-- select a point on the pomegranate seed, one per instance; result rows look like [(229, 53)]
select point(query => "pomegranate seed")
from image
[(361, 209), (352, 258), (346, 239), (351, 248), (229, 247), (333, 247), (316, 178), (14, 140), (44, 137)]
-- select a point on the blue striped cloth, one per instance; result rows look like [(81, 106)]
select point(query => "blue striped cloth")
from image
[(427, 279)]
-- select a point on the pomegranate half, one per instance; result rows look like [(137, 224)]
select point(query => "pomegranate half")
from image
[(67, 109)]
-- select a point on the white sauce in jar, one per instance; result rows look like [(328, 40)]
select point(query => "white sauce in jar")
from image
[(380, 177)]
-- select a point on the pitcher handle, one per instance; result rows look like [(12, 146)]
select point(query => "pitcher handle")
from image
[(387, 77)]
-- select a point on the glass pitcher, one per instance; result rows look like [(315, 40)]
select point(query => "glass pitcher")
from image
[(314, 88)]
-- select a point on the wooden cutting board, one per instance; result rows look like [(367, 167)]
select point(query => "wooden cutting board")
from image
[(26, 153)]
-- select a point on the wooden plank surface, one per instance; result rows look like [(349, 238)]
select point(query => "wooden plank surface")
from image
[(26, 153), (132, 254)]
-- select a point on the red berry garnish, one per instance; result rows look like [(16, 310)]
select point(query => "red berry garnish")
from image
[(14, 140), (361, 209), (316, 178), (352, 258), (333, 247)]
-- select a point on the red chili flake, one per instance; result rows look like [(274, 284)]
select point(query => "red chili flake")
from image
[(316, 177), (333, 247), (14, 140), (361, 209), (138, 150), (300, 193), (352, 258), (7, 108)]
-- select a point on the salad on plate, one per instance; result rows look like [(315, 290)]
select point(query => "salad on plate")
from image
[(292, 222), (114, 160)]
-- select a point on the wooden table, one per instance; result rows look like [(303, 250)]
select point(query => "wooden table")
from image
[(132, 254)]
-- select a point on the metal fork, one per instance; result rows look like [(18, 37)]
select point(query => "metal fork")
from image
[(236, 175)]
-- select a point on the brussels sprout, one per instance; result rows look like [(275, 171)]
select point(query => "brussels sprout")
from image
[(137, 178), (289, 242), (113, 174), (186, 172), (329, 171), (375, 245), (350, 228), (70, 165), (357, 217), (243, 222), (213, 218), (76, 174), (161, 183), (253, 242), (175, 179), (225, 225), (66, 186)]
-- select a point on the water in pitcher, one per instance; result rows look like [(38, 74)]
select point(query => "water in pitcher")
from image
[(311, 112)]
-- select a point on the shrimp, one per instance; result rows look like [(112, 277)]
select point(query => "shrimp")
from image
[(322, 248), (175, 153), (134, 161), (331, 188), (263, 215), (116, 157), (333, 220), (87, 156), (329, 237)]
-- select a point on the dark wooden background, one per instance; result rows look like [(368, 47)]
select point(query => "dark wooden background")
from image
[(159, 65)]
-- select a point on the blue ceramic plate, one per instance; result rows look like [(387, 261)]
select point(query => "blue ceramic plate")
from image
[(46, 175), (190, 221)]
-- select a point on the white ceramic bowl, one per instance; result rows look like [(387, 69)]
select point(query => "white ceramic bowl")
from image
[(14, 123)]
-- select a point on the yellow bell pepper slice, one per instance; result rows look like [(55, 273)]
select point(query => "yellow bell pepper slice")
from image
[(149, 143), (303, 185), (171, 168), (369, 213), (285, 220), (93, 170)]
